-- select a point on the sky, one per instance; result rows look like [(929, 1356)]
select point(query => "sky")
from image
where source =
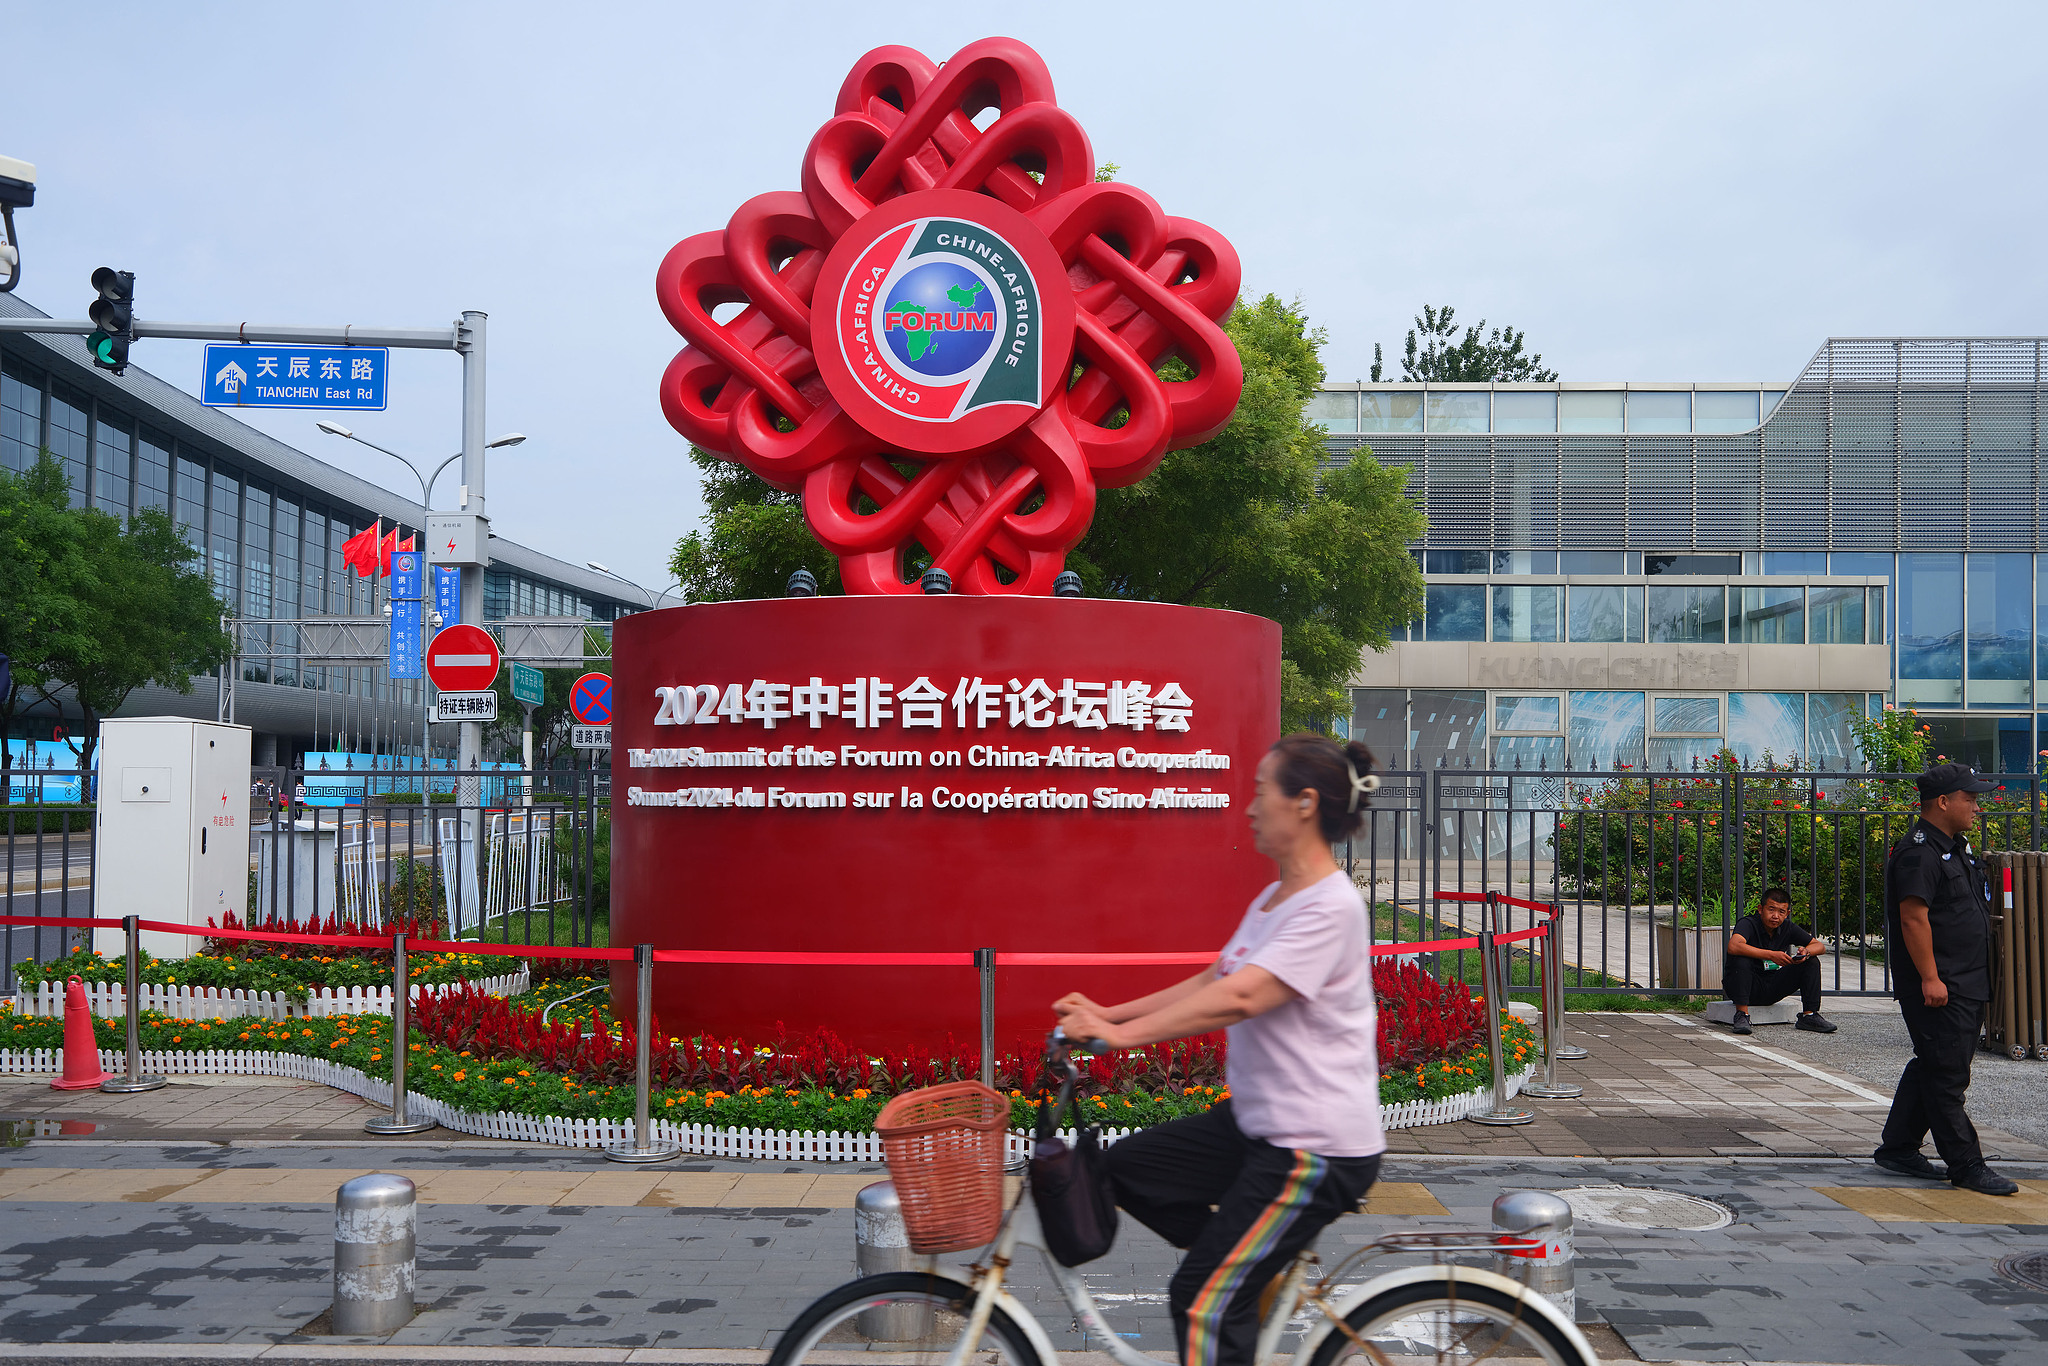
[(1649, 192)]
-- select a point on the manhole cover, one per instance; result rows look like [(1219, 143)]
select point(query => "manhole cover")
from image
[(1639, 1207), (2030, 1269)]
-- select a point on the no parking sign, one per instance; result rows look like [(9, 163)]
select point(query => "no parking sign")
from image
[(590, 698)]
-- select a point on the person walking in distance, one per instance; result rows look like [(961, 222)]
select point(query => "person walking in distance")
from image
[(1937, 901)]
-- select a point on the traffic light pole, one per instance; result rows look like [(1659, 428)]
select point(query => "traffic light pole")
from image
[(466, 339)]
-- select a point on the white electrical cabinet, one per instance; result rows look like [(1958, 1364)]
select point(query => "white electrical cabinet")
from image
[(172, 841)]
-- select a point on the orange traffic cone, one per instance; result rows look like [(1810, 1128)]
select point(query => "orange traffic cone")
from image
[(81, 1050)]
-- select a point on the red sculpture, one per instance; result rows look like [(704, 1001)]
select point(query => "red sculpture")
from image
[(950, 337)]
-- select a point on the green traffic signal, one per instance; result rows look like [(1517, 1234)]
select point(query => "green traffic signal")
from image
[(113, 312)]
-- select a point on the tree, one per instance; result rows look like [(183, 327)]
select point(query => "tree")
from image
[(1248, 520), (1445, 358), (96, 606), (43, 577), (150, 617)]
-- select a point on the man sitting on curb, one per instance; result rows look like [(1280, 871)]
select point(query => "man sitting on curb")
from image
[(1769, 958)]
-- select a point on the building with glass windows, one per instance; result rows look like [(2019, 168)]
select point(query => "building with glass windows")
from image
[(1630, 573), (270, 521)]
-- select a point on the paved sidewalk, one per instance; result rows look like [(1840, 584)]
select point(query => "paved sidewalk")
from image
[(1656, 1086), (1824, 1261)]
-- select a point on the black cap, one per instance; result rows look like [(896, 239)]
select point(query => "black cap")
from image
[(1943, 779)]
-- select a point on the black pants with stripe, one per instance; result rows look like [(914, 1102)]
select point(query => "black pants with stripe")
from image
[(1269, 1204), (1750, 985)]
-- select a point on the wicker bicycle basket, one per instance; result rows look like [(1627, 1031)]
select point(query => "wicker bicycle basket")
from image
[(944, 1147)]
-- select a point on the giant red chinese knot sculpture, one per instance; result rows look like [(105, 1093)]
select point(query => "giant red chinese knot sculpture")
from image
[(950, 337)]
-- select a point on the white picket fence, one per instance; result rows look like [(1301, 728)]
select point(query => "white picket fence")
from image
[(774, 1145), (228, 1003)]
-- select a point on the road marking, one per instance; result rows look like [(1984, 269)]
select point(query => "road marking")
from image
[(1861, 1092)]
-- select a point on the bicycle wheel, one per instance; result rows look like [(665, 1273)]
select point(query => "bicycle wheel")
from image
[(900, 1311), (1450, 1321)]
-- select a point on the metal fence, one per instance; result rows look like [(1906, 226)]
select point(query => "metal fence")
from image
[(510, 856), (1652, 870)]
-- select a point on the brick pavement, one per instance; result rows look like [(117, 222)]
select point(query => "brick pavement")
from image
[(201, 1214)]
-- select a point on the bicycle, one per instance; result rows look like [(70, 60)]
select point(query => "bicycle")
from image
[(1452, 1312)]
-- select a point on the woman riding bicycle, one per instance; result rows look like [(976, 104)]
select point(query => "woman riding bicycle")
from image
[(1299, 1140)]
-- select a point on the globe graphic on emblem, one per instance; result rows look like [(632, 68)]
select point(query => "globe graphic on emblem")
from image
[(939, 318)]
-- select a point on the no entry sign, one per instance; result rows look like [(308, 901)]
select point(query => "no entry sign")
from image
[(590, 697), (463, 659)]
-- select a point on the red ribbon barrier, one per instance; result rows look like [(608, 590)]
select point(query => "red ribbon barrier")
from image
[(1519, 935), (1425, 946), (1121, 960)]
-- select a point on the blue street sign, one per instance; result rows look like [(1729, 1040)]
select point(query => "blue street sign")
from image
[(448, 594), (237, 376), (405, 575), (405, 639)]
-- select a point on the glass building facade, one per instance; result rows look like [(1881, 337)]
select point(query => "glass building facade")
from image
[(269, 537), (1891, 496)]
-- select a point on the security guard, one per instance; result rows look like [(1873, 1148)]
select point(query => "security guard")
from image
[(1937, 901)]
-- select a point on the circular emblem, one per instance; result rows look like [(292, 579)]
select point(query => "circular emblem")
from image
[(943, 321)]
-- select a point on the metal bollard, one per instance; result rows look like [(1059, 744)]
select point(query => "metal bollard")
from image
[(643, 1148), (1491, 988), (376, 1229), (1539, 1214), (131, 1079), (399, 1121), (1550, 1088), (881, 1243)]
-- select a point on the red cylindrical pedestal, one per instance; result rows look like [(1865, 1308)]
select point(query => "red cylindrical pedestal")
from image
[(835, 802)]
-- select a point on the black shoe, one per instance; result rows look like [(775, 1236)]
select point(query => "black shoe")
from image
[(1916, 1165), (1985, 1181), (1817, 1022), (1740, 1025)]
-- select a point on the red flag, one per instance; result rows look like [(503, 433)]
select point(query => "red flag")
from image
[(359, 552), (389, 544)]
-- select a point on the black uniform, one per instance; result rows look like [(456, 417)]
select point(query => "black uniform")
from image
[(1942, 871), (1754, 982)]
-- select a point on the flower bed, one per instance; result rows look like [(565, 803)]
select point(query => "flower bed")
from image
[(482, 1055), (293, 972), (226, 1003)]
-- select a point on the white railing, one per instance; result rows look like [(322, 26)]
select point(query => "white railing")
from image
[(108, 999)]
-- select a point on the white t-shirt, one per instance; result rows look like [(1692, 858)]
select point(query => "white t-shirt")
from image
[(1305, 1075)]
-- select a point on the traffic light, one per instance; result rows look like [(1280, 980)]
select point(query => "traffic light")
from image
[(113, 317)]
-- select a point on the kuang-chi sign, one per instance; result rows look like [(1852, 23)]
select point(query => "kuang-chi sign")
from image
[(896, 774), (952, 335)]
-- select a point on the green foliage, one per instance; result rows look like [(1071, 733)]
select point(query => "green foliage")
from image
[(292, 972), (96, 605), (1893, 741), (1248, 521), (51, 818), (755, 539), (1445, 358)]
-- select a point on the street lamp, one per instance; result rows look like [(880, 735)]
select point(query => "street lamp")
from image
[(653, 599), (426, 481)]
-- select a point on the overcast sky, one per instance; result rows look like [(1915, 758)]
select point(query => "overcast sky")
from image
[(1653, 193)]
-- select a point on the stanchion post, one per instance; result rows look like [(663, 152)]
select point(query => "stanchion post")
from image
[(1491, 987), (399, 1121), (131, 1079), (1550, 1088), (1553, 963), (985, 968), (643, 1148)]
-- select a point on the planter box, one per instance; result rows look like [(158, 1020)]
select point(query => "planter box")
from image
[(1675, 950), (109, 999)]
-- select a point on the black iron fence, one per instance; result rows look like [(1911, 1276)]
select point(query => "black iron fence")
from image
[(510, 856), (1652, 870)]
